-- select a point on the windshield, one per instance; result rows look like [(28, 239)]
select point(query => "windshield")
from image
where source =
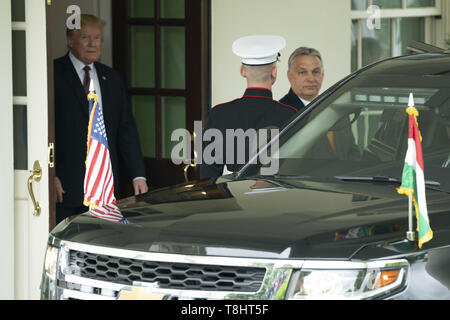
[(361, 130)]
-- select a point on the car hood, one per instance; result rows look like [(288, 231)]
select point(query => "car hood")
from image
[(296, 219)]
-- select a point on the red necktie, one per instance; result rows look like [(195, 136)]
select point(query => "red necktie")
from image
[(87, 79)]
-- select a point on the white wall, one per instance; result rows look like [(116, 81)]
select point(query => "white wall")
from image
[(321, 24)]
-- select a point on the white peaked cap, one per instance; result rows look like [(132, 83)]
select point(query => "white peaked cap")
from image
[(258, 49), (91, 86)]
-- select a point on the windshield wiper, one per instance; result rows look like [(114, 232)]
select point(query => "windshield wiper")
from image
[(383, 179), (370, 179), (290, 176)]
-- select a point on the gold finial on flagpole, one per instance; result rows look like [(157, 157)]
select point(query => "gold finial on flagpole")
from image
[(411, 100), (411, 109), (91, 87)]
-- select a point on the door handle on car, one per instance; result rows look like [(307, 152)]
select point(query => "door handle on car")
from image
[(36, 175)]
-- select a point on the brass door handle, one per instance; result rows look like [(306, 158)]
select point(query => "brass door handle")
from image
[(36, 175), (186, 168)]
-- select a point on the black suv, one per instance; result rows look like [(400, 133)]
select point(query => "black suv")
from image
[(329, 225)]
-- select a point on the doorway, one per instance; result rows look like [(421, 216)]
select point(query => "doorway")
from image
[(162, 49)]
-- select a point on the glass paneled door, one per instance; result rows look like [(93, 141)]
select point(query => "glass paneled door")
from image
[(161, 49)]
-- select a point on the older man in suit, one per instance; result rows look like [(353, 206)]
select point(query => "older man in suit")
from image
[(73, 73), (305, 74)]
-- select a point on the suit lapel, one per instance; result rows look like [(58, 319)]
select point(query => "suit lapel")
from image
[(74, 81), (295, 100)]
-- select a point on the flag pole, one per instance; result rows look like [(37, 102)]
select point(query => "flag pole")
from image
[(410, 234), (413, 180)]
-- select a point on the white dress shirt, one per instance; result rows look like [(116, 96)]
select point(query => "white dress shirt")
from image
[(305, 102), (79, 65)]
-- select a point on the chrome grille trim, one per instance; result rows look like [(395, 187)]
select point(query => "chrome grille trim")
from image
[(179, 258), (274, 269), (168, 274)]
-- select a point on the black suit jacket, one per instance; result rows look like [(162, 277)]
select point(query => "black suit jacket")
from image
[(71, 123), (293, 100)]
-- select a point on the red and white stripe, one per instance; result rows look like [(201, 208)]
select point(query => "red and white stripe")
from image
[(98, 182), (109, 212)]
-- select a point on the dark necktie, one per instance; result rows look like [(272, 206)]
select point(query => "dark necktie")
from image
[(87, 79)]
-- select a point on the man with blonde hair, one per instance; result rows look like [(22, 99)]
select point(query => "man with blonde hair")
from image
[(72, 74)]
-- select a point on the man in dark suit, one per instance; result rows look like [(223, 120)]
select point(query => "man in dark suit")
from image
[(73, 73), (305, 74)]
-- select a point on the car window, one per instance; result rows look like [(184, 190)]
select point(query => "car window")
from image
[(362, 124), (362, 129)]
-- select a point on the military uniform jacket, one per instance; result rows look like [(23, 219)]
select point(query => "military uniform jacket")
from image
[(255, 110)]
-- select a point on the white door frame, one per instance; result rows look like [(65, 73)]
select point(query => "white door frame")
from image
[(7, 158), (35, 228), (23, 236)]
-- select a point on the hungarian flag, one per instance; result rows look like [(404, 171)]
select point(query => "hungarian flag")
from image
[(413, 181), (99, 180)]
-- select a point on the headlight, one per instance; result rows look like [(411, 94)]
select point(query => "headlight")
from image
[(347, 280), (51, 261)]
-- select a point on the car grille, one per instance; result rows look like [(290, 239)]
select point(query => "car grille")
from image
[(167, 274)]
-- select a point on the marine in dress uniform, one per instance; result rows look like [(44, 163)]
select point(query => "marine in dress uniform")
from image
[(256, 109)]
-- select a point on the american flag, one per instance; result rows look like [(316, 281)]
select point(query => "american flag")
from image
[(99, 180), (109, 212)]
